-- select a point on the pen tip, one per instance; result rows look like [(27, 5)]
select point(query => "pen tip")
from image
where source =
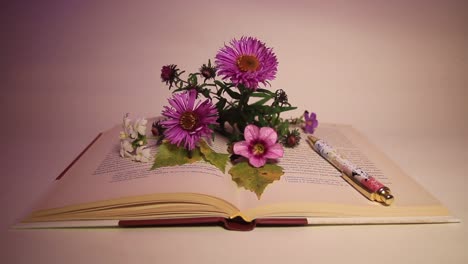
[(384, 196), (388, 199)]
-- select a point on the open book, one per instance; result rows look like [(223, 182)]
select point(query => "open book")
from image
[(101, 188)]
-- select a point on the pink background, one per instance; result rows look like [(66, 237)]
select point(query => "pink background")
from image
[(396, 70)]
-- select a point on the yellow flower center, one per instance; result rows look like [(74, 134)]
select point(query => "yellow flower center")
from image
[(188, 120), (248, 63), (258, 149)]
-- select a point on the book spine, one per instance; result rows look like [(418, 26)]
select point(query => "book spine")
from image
[(235, 224)]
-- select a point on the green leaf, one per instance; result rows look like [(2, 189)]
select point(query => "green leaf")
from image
[(266, 91), (262, 101), (234, 95), (220, 84), (220, 104), (255, 179), (218, 160), (263, 95), (206, 93), (172, 155), (192, 79), (283, 128), (284, 109)]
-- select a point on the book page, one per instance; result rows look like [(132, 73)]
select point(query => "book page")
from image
[(101, 174), (309, 186), (310, 179)]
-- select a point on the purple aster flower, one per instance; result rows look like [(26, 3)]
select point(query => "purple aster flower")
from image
[(187, 122), (311, 122), (247, 61), (168, 74), (259, 145), (208, 71)]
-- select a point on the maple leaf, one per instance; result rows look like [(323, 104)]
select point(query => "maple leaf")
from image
[(255, 179), (172, 155), (218, 160)]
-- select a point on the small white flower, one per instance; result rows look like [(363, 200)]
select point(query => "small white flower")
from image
[(128, 128), (134, 134), (140, 126), (133, 130), (142, 154), (126, 149), (129, 131), (126, 120)]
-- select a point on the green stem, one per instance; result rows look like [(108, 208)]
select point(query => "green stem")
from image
[(245, 96), (152, 137)]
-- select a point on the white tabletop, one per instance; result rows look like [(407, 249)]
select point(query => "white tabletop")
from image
[(395, 71)]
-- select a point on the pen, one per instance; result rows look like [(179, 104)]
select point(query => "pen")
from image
[(359, 179)]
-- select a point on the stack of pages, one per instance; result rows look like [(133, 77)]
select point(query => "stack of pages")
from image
[(102, 189)]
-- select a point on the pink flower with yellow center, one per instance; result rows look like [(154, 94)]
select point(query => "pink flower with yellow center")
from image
[(259, 145), (247, 61)]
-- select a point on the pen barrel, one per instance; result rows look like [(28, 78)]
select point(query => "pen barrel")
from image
[(355, 176)]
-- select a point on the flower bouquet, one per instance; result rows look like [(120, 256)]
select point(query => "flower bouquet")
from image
[(223, 100)]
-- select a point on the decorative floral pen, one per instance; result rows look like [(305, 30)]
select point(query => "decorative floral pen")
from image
[(359, 179)]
